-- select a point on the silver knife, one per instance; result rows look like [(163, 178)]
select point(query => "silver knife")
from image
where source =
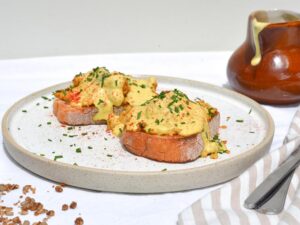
[(275, 204), (267, 187)]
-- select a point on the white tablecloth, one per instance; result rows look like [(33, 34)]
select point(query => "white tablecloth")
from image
[(21, 77)]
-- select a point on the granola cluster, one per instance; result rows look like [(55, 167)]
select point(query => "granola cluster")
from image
[(29, 205)]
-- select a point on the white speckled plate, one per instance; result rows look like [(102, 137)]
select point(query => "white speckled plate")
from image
[(89, 157)]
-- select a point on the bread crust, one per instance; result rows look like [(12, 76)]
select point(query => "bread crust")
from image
[(71, 115), (174, 149)]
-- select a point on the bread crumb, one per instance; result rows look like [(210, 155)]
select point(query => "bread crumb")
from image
[(73, 205), (59, 188), (8, 187), (28, 188), (79, 221), (26, 222), (50, 213), (64, 207)]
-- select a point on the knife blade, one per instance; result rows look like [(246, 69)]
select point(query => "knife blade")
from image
[(265, 189)]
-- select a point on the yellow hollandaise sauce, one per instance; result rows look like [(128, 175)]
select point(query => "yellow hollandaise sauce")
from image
[(104, 90), (169, 113)]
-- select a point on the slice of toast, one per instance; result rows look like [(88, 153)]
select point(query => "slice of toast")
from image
[(71, 115), (175, 149)]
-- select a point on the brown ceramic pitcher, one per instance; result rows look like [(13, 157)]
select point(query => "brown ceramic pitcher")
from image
[(267, 65)]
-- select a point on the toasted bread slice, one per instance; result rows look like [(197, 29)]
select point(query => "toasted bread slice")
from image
[(164, 148), (71, 115)]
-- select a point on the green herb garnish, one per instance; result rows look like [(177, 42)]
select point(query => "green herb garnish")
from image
[(139, 115), (100, 101), (78, 150), (57, 157), (71, 136)]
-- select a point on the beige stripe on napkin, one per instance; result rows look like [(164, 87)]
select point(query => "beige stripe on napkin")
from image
[(211, 209)]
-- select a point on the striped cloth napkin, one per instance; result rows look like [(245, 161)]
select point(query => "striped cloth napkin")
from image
[(225, 205)]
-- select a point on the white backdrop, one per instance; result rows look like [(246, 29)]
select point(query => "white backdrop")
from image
[(34, 28)]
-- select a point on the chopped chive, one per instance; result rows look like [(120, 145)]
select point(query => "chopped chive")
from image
[(65, 135), (105, 139), (157, 121), (38, 104), (252, 132), (139, 115), (176, 109), (42, 154), (78, 150), (240, 121), (83, 134), (143, 86), (46, 107), (182, 122), (39, 125), (75, 135), (250, 111), (70, 128), (181, 107), (48, 123), (163, 170), (44, 97), (216, 138), (57, 157), (222, 151), (120, 130), (100, 101), (103, 78), (75, 164), (116, 82), (109, 155), (90, 147), (24, 111), (50, 140)]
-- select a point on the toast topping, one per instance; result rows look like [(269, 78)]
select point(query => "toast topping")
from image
[(169, 113), (140, 90), (104, 90)]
